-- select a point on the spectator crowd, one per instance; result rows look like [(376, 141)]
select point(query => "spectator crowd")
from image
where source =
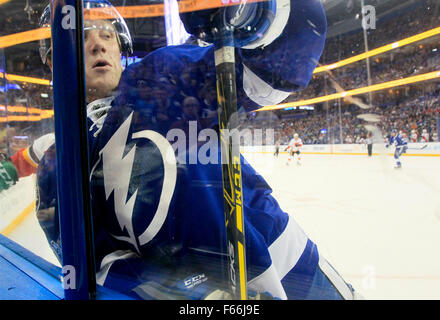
[(409, 108)]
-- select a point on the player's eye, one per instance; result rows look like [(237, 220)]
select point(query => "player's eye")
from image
[(105, 34)]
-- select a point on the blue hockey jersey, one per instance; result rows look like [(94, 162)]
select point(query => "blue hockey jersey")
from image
[(398, 141), (158, 208)]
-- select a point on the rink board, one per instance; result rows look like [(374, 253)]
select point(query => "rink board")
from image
[(431, 149)]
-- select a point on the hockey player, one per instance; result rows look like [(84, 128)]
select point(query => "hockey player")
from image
[(414, 136), (400, 144), (402, 133), (294, 147), (425, 136), (153, 238), (8, 174), (26, 160)]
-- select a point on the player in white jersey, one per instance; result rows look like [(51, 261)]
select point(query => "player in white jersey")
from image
[(294, 147), (425, 136), (403, 134), (26, 160), (414, 136)]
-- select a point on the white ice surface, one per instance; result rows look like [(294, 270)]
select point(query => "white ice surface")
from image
[(378, 226)]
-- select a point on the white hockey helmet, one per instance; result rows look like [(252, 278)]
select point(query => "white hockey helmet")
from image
[(102, 8)]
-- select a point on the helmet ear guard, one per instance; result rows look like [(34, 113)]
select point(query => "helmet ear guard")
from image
[(124, 37), (252, 23)]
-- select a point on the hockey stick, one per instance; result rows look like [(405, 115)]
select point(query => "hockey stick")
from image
[(230, 161), (419, 148)]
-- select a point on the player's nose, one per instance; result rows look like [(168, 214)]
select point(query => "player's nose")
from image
[(95, 44)]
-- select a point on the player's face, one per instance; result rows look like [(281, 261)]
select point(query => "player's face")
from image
[(102, 59)]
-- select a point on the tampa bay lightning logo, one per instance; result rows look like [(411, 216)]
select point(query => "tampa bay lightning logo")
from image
[(117, 170)]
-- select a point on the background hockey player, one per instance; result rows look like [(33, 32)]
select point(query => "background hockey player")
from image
[(400, 144), (414, 136), (26, 160), (8, 173), (159, 223), (294, 148), (425, 136)]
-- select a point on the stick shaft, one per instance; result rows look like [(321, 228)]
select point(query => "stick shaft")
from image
[(231, 169)]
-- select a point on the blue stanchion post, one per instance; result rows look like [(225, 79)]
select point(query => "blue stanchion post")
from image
[(71, 149), (438, 130)]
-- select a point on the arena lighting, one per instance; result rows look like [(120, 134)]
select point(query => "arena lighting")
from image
[(23, 37), (157, 10), (23, 109), (355, 92), (13, 77), (23, 118), (375, 52)]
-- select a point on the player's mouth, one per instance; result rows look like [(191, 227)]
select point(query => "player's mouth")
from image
[(101, 64)]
